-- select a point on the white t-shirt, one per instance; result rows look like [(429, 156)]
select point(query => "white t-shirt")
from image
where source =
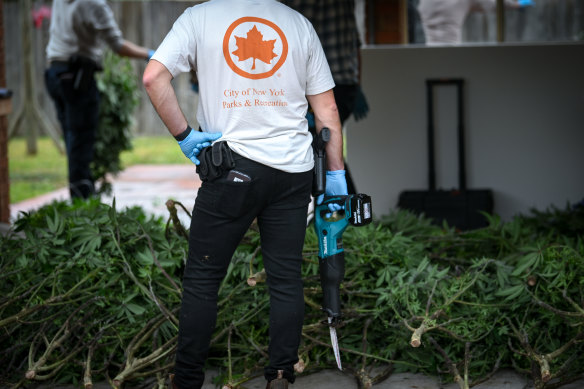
[(81, 27), (256, 60)]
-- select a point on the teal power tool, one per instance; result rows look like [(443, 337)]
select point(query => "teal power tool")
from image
[(331, 256), (356, 210)]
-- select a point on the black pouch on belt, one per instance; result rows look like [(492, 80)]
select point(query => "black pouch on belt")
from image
[(216, 160)]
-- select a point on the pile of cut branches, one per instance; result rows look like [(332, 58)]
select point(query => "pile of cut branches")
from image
[(89, 293)]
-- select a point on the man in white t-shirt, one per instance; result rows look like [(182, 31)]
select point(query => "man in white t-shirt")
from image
[(259, 64)]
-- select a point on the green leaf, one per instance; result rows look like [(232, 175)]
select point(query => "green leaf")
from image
[(135, 308), (145, 257), (511, 293), (526, 262)]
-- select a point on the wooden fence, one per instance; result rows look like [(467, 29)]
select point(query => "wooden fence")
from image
[(143, 22)]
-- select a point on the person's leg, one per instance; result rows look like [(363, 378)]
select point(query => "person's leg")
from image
[(82, 118), (282, 228), (222, 214), (53, 85)]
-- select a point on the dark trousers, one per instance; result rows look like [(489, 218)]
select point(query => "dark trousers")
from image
[(78, 113), (222, 214)]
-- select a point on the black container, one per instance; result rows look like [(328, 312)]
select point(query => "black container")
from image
[(459, 207)]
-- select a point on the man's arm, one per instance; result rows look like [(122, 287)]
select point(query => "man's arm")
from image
[(156, 80), (132, 50), (101, 17), (327, 115)]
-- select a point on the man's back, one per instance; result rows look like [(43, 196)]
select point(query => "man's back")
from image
[(254, 74)]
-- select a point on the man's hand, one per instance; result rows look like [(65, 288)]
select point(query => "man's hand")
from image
[(336, 185), (196, 141)]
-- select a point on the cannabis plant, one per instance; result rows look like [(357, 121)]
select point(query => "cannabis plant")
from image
[(117, 85)]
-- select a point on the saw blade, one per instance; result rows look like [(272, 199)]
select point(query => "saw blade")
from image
[(335, 343)]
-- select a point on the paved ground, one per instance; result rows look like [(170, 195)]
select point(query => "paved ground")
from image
[(151, 186), (334, 379), (148, 186)]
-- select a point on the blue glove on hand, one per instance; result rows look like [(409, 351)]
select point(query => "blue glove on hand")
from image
[(525, 3), (336, 185), (196, 141)]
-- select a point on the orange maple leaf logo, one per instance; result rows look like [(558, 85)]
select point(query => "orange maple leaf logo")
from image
[(253, 46)]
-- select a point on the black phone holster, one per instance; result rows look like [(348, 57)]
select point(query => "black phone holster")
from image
[(216, 160)]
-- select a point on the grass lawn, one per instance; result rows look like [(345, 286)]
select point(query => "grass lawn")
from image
[(33, 175)]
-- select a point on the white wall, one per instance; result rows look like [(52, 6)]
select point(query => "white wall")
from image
[(524, 123)]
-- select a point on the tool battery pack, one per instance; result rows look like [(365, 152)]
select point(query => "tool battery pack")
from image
[(361, 212)]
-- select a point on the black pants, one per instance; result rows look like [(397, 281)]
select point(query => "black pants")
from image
[(78, 113), (222, 214)]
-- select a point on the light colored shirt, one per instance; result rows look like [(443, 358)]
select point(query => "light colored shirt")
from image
[(82, 27), (254, 74)]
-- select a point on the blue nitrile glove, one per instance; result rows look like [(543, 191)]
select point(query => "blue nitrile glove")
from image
[(196, 141), (361, 107), (150, 54), (336, 185), (525, 3)]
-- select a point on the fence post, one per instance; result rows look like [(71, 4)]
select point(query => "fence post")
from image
[(500, 21), (29, 111), (5, 108)]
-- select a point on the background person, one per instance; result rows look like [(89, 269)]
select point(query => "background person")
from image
[(442, 20), (335, 25), (258, 64), (78, 30)]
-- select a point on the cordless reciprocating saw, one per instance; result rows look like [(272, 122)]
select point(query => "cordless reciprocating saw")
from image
[(331, 256), (355, 210)]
